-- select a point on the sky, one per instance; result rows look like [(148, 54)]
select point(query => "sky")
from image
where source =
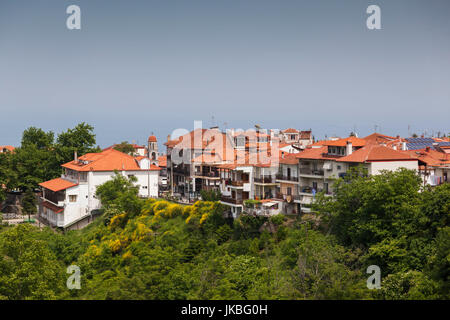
[(149, 67)]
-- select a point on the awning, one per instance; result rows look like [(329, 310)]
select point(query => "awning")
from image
[(57, 184)]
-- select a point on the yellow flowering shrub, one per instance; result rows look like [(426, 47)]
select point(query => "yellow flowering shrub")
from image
[(127, 255), (118, 220), (141, 232), (174, 210), (115, 245)]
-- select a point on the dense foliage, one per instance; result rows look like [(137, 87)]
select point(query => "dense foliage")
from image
[(156, 249), (40, 156), (125, 147)]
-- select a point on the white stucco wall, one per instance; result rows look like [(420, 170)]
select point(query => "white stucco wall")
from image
[(85, 192), (376, 167)]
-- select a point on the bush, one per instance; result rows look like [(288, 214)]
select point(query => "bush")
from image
[(277, 219)]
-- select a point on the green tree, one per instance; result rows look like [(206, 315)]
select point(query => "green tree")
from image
[(29, 269), (125, 147), (80, 139), (29, 203), (38, 137)]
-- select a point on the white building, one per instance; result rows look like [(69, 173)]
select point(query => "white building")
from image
[(70, 201)]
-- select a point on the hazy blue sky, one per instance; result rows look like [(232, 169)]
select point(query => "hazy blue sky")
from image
[(142, 66)]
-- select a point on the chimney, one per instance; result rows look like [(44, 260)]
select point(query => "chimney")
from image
[(75, 156), (349, 148), (404, 146)]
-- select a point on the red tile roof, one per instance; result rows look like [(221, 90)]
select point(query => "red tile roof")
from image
[(378, 138), (290, 130), (315, 154), (162, 161), (288, 158), (152, 139), (57, 184), (356, 142), (374, 152), (430, 157), (52, 207), (107, 160), (8, 148)]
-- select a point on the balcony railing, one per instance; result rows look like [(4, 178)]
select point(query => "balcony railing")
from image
[(181, 170), (237, 183), (231, 200), (308, 189), (268, 179), (312, 172), (287, 178), (207, 174)]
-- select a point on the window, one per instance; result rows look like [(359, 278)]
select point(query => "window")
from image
[(72, 198)]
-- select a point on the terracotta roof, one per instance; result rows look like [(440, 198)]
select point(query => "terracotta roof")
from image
[(191, 140), (378, 138), (374, 152), (430, 157), (107, 160), (318, 143), (162, 161), (288, 158), (9, 148), (52, 207), (356, 142), (57, 184), (290, 130), (315, 154), (152, 139)]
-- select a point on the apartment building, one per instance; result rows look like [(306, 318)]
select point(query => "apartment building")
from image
[(296, 137), (288, 180), (434, 163)]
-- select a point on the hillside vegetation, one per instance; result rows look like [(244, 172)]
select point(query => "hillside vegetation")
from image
[(155, 249)]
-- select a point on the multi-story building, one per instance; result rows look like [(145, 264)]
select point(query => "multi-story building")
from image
[(183, 171), (296, 137), (319, 166), (70, 201), (288, 180)]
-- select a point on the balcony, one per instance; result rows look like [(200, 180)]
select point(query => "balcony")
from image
[(265, 179), (204, 174), (309, 190), (231, 200), (181, 171), (311, 172), (287, 178), (237, 183)]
